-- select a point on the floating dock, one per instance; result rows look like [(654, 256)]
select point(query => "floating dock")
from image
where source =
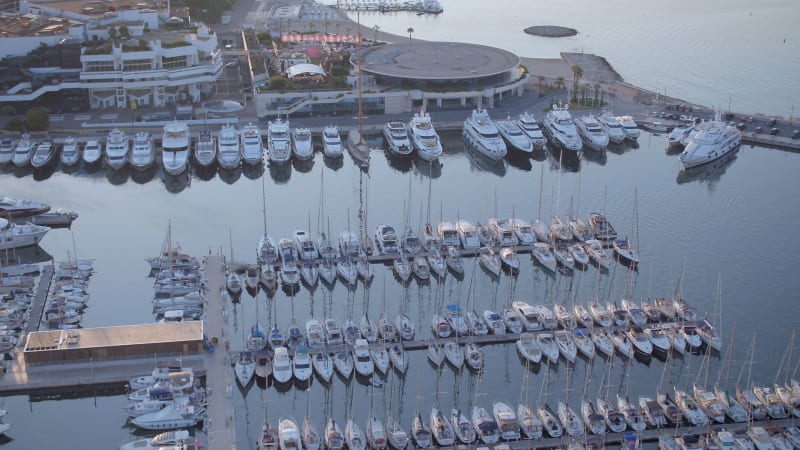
[(40, 299)]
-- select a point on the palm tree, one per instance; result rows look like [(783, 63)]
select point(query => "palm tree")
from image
[(596, 92), (311, 27), (560, 82), (409, 31), (577, 74), (325, 25), (376, 28)]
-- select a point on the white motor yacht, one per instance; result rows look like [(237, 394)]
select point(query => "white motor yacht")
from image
[(485, 425), (205, 149), (523, 231), (629, 126), (306, 249), (424, 136), (482, 134), (396, 135), (175, 148), (15, 236), (144, 153), (612, 127), (301, 364), (43, 154), (289, 435), (314, 333), (560, 129), (467, 234), (174, 440), (386, 239), (281, 365), (506, 420), (278, 146), (177, 415), (503, 231), (528, 315), (527, 123), (592, 133), (23, 151), (301, 144), (528, 348), (653, 413), (494, 322), (290, 272), (229, 153), (332, 142), (448, 233), (333, 332), (92, 151), (714, 140), (251, 144), (710, 404), (7, 151), (70, 152), (513, 135), (117, 148)]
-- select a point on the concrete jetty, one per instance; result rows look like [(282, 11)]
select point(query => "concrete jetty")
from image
[(40, 299)]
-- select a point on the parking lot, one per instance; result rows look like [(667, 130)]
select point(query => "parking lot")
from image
[(757, 124)]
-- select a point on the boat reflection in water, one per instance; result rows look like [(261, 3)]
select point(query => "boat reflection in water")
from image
[(176, 183), (24, 255), (482, 163), (519, 160), (402, 164), (600, 158), (303, 166), (432, 169), (708, 173), (115, 177), (253, 171), (333, 163), (564, 159), (280, 173), (144, 176), (230, 176), (205, 173)]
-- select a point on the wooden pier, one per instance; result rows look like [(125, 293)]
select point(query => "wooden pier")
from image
[(40, 299)]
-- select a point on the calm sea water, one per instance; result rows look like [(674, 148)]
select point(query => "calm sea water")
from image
[(716, 53), (728, 221)]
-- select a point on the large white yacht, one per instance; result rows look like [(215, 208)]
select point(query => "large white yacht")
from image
[(481, 133), (612, 127), (177, 415), (229, 155), (301, 144), (175, 147), (252, 145), (467, 234), (7, 150), (205, 149), (560, 129), (331, 142), (117, 147), (513, 135), (178, 439), (144, 152), (11, 207), (70, 152), (629, 126), (396, 135), (92, 152), (424, 136), (527, 123), (23, 151), (279, 148), (13, 236), (592, 133), (714, 140)]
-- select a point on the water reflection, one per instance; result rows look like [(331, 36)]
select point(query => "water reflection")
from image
[(519, 160), (430, 169), (483, 163), (118, 177), (280, 173), (402, 164), (333, 163), (564, 159), (205, 173), (144, 176), (303, 166), (24, 255), (176, 183), (230, 176), (596, 157), (45, 172), (708, 173), (253, 171)]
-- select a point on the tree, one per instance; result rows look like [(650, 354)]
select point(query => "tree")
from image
[(37, 119), (541, 81), (577, 74), (325, 25), (560, 82), (112, 32), (596, 92), (311, 26), (409, 31), (123, 31), (7, 110), (376, 28)]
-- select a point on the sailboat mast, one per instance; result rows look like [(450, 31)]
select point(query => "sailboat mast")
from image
[(360, 102)]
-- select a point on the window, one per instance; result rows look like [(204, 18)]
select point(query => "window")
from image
[(175, 62)]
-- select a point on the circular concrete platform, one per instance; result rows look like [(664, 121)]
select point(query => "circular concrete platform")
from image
[(435, 61)]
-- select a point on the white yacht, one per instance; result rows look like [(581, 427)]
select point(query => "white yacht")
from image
[(23, 151), (386, 239), (176, 415), (306, 248), (290, 272), (43, 154), (70, 152), (252, 145), (527, 123), (682, 134), (229, 155), (332, 142), (486, 426), (513, 135), (544, 256), (301, 144), (278, 148), (714, 140), (629, 126), (523, 231), (612, 127), (176, 440), (592, 133), (363, 361), (117, 147), (424, 136), (528, 348), (301, 364), (482, 134), (205, 149), (560, 129), (92, 152), (467, 234), (281, 365), (396, 135), (14, 236), (144, 152), (244, 368), (506, 421), (7, 150), (175, 148)]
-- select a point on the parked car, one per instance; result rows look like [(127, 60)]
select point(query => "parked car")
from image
[(774, 131)]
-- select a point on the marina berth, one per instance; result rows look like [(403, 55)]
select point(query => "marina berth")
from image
[(506, 420), (143, 154), (560, 129), (117, 147), (175, 148), (424, 136), (527, 123), (396, 135), (332, 142), (251, 144), (279, 148)]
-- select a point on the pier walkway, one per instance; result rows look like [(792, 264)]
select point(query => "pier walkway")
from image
[(220, 416), (40, 300)]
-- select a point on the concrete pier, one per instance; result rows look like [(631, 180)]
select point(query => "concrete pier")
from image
[(220, 415), (40, 299)]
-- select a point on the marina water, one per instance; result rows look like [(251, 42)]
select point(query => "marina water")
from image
[(731, 220)]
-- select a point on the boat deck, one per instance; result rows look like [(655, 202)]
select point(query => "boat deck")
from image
[(40, 299)]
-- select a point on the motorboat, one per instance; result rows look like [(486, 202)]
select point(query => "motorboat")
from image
[(333, 333), (23, 151), (622, 343), (176, 415), (290, 272), (420, 433), (343, 363), (331, 142), (486, 427), (549, 421), (506, 420), (595, 422), (334, 439), (714, 140), (592, 132), (682, 134), (636, 315), (302, 147), (692, 336), (454, 354), (560, 129), (529, 424), (710, 404), (309, 436), (660, 340), (454, 261), (447, 234), (528, 348), (463, 428), (523, 231), (760, 438), (70, 151), (14, 236), (572, 422), (160, 373), (456, 320), (205, 149), (289, 435), (485, 235), (566, 346), (473, 356), (117, 149), (43, 154), (229, 154), (398, 358), (386, 239), (441, 429), (512, 321), (652, 411), (548, 346), (509, 260), (351, 332), (7, 150), (279, 149), (494, 322), (612, 127), (546, 317), (368, 331), (467, 234), (362, 359), (176, 440), (143, 154), (527, 123), (689, 408), (602, 228), (281, 365), (245, 368), (581, 231), (629, 126), (490, 260), (513, 135), (771, 401), (615, 419), (175, 148), (424, 136), (544, 256), (306, 248), (564, 317), (640, 340), (251, 144), (633, 416), (405, 327), (669, 408), (314, 334), (583, 341), (301, 364), (376, 434), (502, 231), (477, 325), (92, 152), (396, 136)]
